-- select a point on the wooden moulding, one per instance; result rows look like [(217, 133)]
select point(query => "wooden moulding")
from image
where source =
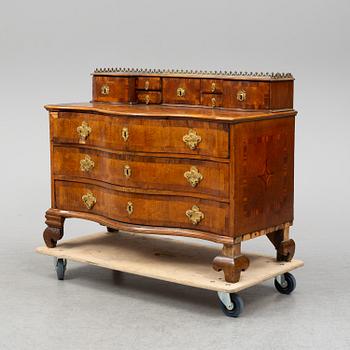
[(163, 258), (263, 232)]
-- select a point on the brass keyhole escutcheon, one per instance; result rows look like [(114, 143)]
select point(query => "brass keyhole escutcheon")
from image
[(86, 164), (213, 87), (89, 200), (195, 215), (125, 134), (180, 92), (105, 89), (129, 208), (146, 85), (127, 171), (241, 95), (83, 131)]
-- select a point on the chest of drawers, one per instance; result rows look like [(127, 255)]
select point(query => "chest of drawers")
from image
[(203, 155)]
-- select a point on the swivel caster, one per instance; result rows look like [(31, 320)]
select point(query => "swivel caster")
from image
[(231, 304), (285, 283), (60, 267)]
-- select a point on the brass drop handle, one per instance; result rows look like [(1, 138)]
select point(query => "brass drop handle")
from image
[(105, 89), (130, 208), (180, 92), (241, 95), (89, 200), (125, 134), (147, 99), (195, 215), (193, 176), (127, 171), (191, 139), (146, 85), (86, 164), (213, 102), (213, 87), (84, 130)]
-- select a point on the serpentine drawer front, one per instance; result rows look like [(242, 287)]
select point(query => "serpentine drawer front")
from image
[(196, 154), (142, 135), (143, 209), (196, 177)]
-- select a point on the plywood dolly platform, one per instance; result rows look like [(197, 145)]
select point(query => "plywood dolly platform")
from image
[(169, 259)]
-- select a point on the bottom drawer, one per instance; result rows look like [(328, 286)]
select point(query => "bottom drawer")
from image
[(151, 210)]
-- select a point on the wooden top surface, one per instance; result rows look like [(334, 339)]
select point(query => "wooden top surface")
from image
[(164, 111), (169, 259)]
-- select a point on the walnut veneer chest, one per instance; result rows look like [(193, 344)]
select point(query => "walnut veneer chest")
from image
[(199, 154)]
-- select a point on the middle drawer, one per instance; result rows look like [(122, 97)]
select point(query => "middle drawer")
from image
[(149, 173)]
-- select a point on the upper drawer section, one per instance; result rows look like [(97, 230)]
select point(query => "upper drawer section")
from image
[(248, 94), (142, 135), (114, 89)]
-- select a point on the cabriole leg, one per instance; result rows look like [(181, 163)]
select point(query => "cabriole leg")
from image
[(232, 262), (54, 230)]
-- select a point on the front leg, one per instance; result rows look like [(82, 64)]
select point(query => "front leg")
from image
[(285, 246), (232, 262), (54, 230)]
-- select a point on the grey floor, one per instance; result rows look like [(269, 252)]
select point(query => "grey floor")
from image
[(95, 308)]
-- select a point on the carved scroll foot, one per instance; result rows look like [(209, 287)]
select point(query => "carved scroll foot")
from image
[(54, 230), (285, 247), (231, 262)]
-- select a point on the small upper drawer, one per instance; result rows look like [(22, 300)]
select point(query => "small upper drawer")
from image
[(181, 91), (211, 100), (213, 86), (134, 134), (145, 83), (114, 89), (246, 94), (149, 97)]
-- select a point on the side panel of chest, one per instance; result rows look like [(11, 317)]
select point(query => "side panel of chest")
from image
[(263, 174)]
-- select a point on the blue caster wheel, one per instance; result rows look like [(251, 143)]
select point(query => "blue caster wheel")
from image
[(61, 266), (285, 283), (231, 304)]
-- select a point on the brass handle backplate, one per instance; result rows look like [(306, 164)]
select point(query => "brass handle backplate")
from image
[(86, 164), (180, 92), (127, 171), (193, 176), (195, 215), (125, 134), (192, 139), (213, 87), (146, 85), (147, 99), (213, 102), (241, 95), (129, 208), (83, 131), (89, 200), (105, 89)]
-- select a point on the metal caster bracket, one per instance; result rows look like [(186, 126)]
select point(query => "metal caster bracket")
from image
[(226, 300)]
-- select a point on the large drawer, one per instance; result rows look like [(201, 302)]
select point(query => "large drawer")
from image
[(151, 173), (141, 134), (152, 210)]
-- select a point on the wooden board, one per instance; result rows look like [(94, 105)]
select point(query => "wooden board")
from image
[(187, 263)]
